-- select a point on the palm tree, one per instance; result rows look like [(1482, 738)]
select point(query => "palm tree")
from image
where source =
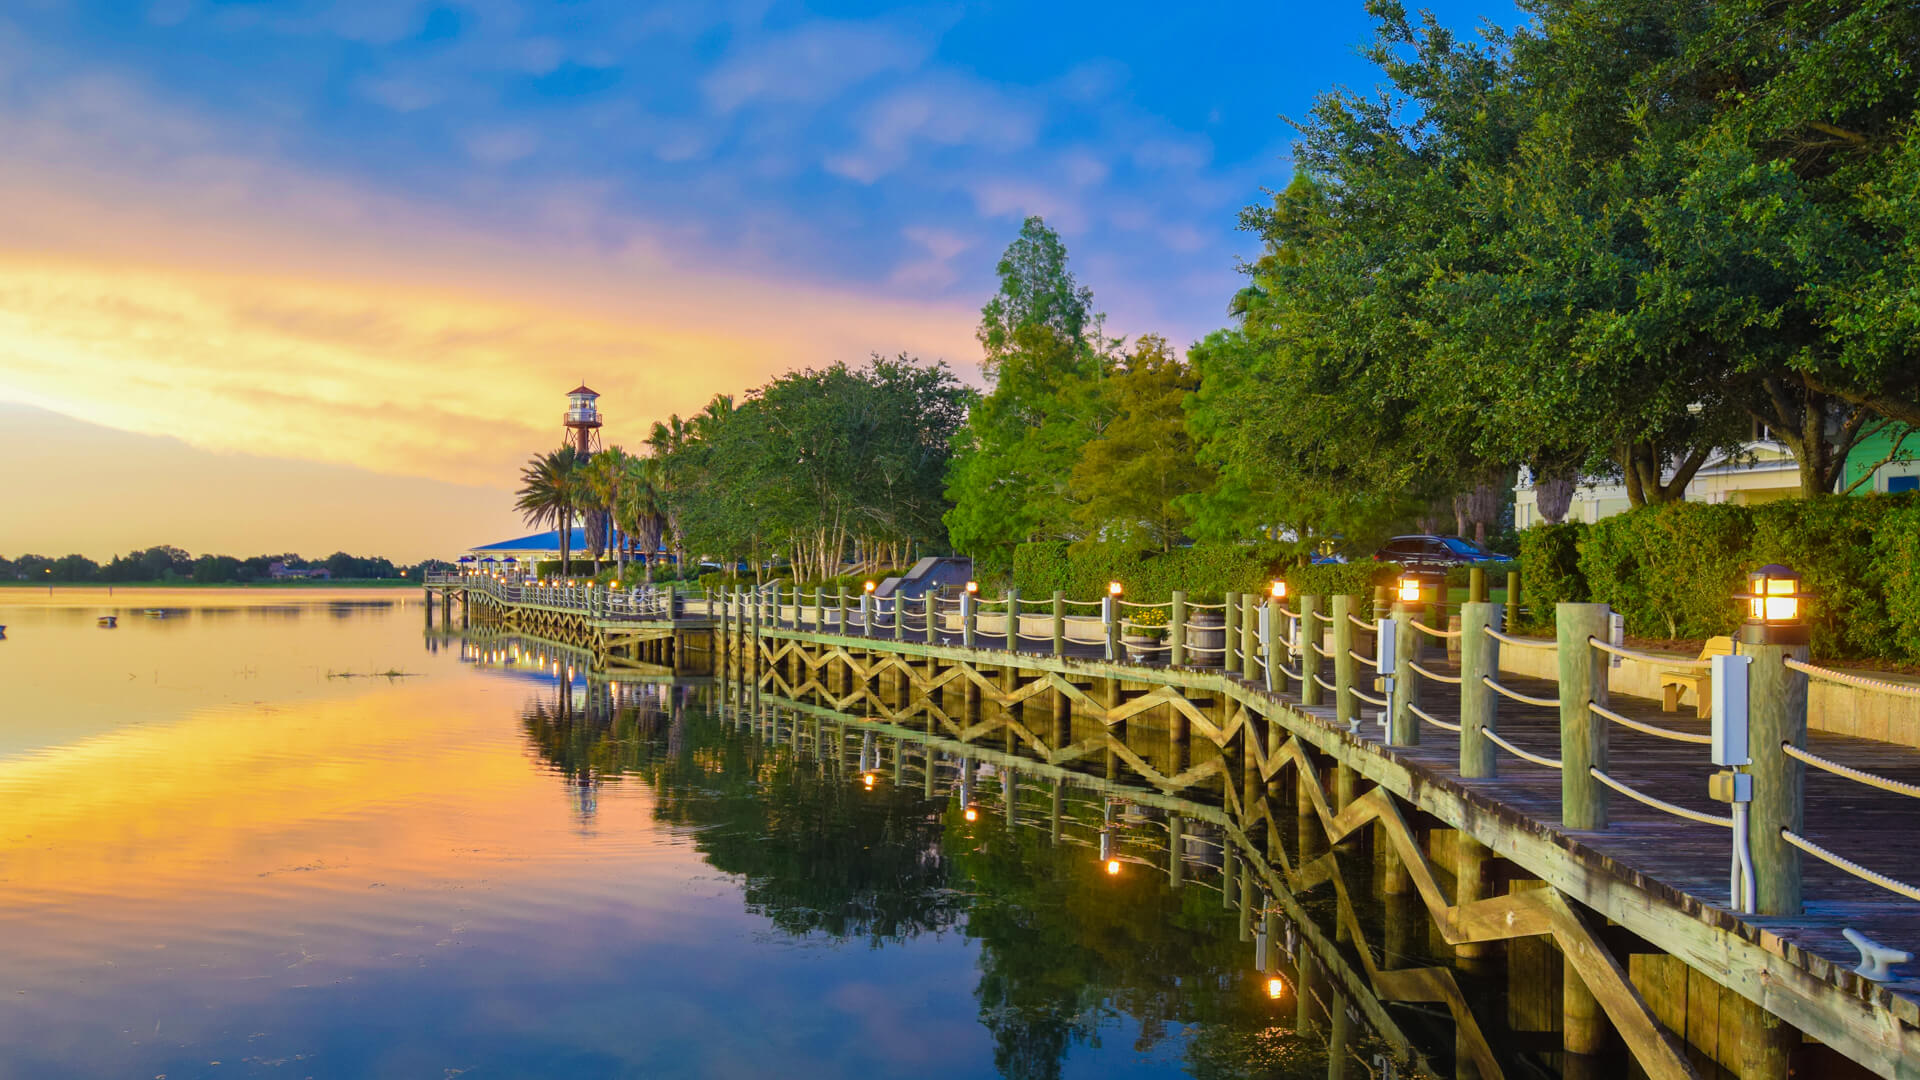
[(605, 479), (550, 492), (641, 512)]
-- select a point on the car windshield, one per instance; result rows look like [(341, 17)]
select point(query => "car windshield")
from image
[(1464, 547)]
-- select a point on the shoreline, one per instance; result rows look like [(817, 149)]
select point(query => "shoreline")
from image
[(344, 583)]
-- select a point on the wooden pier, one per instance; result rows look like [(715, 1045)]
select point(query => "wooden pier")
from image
[(1634, 895)]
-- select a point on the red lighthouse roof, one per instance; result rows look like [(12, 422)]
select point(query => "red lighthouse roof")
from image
[(581, 389)]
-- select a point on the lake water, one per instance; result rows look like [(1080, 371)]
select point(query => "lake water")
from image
[(296, 834)]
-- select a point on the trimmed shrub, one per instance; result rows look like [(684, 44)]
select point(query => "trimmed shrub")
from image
[(1340, 579), (1671, 569), (1550, 570), (1206, 571), (1460, 577), (1896, 573), (1830, 541)]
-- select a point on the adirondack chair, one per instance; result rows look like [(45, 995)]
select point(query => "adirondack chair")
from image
[(1675, 683)]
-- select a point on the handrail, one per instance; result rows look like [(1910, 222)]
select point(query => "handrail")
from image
[(1493, 737), (1433, 631), (1520, 642), (1324, 684), (1367, 660), (1368, 698), (1660, 804), (1450, 680), (1545, 703), (1373, 626), (1858, 777), (1650, 658), (1878, 686), (1851, 867), (1430, 718), (1653, 729), (1129, 603)]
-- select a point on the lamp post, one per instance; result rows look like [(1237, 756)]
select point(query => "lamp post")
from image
[(1109, 614), (1775, 632), (968, 618)]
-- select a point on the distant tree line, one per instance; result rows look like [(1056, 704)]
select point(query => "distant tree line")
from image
[(166, 563)]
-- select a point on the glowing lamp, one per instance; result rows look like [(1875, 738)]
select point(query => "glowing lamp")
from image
[(972, 587), (1409, 590), (1773, 607), (1113, 867), (1276, 988), (1279, 590), (868, 780), (971, 814), (1113, 588), (870, 586)]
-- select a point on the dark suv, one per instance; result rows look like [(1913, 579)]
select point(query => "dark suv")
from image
[(1435, 552)]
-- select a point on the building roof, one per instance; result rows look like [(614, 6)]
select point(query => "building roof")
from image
[(537, 543), (582, 389)]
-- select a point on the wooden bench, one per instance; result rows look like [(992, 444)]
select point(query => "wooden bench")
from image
[(1674, 683)]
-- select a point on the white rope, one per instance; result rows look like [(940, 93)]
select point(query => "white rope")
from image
[(1294, 615), (1434, 631), (1660, 804), (1214, 607), (1450, 680), (1837, 769), (1545, 703), (1524, 643), (1430, 718), (1367, 660), (1494, 738), (1324, 683), (1356, 620), (1289, 673), (1849, 865), (1368, 698), (1129, 603), (1317, 649), (1075, 603), (1665, 661), (1652, 729), (1878, 686)]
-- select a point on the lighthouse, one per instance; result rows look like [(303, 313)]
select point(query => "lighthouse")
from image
[(583, 421)]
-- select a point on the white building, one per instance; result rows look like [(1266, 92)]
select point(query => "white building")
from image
[(1763, 471)]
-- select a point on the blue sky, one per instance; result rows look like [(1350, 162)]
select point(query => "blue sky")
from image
[(387, 235)]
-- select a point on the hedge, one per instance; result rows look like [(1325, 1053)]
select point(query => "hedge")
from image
[(1206, 571), (1673, 569)]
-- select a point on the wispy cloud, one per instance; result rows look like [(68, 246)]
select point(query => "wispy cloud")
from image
[(813, 63)]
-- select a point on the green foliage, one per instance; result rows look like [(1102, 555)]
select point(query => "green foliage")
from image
[(1896, 573), (1550, 571), (1671, 569), (1205, 571), (1830, 541), (1340, 579), (1130, 481), (1462, 576)]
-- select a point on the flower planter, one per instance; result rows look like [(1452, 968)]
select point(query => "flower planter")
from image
[(1141, 648)]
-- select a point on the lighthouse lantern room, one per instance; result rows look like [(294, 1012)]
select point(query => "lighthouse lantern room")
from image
[(583, 420)]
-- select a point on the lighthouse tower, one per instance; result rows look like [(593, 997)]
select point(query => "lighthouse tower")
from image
[(583, 421)]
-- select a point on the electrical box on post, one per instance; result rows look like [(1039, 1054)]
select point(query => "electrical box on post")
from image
[(1385, 638), (1730, 710)]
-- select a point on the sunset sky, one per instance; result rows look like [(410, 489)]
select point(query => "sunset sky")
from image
[(304, 276)]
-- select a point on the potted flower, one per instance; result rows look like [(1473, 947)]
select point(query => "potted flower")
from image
[(1143, 632)]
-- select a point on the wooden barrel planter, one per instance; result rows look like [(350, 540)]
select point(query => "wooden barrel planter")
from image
[(1206, 639)]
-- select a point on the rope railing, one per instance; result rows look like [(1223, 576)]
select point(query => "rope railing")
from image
[(1660, 804), (1431, 719), (1130, 603), (1878, 686), (1851, 867), (1654, 730), (1366, 697), (1520, 642), (1450, 680), (1211, 607), (1369, 626), (1434, 631), (1367, 660), (1293, 615), (1667, 661), (1324, 684), (1318, 651), (1855, 775), (1493, 737), (1524, 699)]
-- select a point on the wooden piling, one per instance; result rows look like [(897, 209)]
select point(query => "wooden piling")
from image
[(1250, 637), (1059, 623), (1776, 715), (1404, 727), (1479, 659), (1583, 735), (1309, 644), (1177, 630), (1346, 708)]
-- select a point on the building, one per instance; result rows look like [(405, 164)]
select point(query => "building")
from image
[(280, 571), (1763, 471)]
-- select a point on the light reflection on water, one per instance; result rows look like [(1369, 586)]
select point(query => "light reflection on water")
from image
[(217, 860)]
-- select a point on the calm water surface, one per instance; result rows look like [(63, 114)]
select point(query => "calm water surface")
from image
[(229, 848)]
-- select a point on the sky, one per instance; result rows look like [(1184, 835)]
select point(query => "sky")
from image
[(301, 276)]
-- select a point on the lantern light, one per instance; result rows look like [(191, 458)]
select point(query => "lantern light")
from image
[(971, 814), (1113, 588), (1773, 607), (1409, 590), (1276, 988), (972, 587), (868, 780), (1113, 867), (1279, 590), (869, 586)]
